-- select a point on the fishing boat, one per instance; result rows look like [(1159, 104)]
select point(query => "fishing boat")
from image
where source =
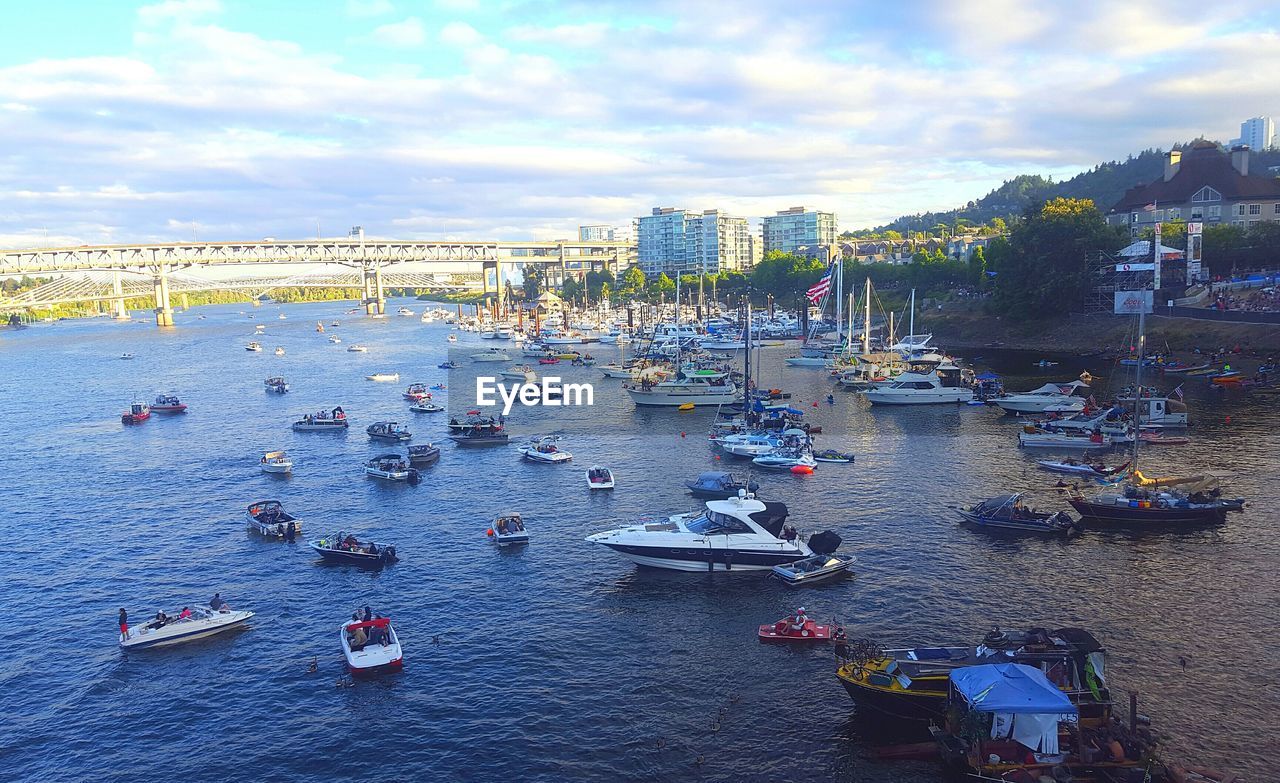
[(424, 454), (254, 347), (200, 622), (798, 627), (391, 467), (737, 534), (599, 477), (544, 449), (370, 646), (276, 384), (389, 431), (383, 377), (1051, 397), (426, 406), (138, 412), (1069, 465), (167, 403), (1008, 512), (491, 355), (277, 462), (831, 455), (268, 519), (719, 485), (356, 348), (417, 391), (346, 548), (322, 421), (508, 530)]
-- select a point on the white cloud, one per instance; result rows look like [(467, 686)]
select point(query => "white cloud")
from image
[(405, 33), (369, 8), (460, 34), (177, 9)]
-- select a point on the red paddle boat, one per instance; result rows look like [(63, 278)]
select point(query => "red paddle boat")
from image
[(798, 628), (549, 360)]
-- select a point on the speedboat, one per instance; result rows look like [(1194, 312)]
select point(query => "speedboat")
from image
[(831, 455), (599, 477), (426, 406), (370, 646), (479, 437), (126, 356), (388, 431), (508, 529), (167, 403), (701, 388), (392, 467), (279, 351), (738, 534), (323, 421), (524, 373), (276, 384), (268, 518), (346, 548), (544, 449), (1052, 397), (424, 454), (943, 385), (1069, 465), (335, 339), (282, 316), (417, 391), (449, 365), (138, 412), (816, 569), (719, 485), (255, 347), (383, 376), (356, 349), (276, 462), (1008, 512), (404, 311), (787, 459), (491, 355), (453, 338), (198, 624)]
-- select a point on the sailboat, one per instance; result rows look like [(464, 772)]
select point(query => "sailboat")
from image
[(683, 388), (814, 355)]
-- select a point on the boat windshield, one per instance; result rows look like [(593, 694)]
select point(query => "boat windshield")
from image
[(713, 522)]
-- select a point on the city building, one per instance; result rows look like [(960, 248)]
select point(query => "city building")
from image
[(677, 241), (1258, 133), (598, 233), (1201, 183), (798, 227), (660, 241)]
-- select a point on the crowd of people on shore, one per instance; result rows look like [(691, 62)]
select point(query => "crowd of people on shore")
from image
[(1266, 300)]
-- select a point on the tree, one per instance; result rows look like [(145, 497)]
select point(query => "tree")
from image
[(572, 288), (977, 266), (534, 280), (632, 283), (664, 285)]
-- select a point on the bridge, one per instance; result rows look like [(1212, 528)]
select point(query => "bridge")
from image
[(111, 272)]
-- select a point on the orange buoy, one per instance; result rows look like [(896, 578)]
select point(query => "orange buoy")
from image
[(489, 532), (801, 470)]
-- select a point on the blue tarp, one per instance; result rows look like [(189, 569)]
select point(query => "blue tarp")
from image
[(988, 376), (1010, 687)]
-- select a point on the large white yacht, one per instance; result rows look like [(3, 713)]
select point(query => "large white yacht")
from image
[(1050, 398), (943, 385), (699, 388), (738, 534)]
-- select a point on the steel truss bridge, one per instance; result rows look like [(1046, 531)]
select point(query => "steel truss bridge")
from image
[(115, 273)]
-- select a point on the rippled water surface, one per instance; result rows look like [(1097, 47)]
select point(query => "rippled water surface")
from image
[(560, 661)]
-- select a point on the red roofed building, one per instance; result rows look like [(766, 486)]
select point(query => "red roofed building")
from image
[(1201, 183)]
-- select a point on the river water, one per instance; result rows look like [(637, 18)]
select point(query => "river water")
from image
[(561, 661)]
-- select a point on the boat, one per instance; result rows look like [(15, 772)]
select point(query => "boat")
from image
[(719, 485), (453, 338), (491, 355), (276, 384), (268, 518), (737, 534), (281, 316), (255, 347), (424, 454), (544, 449), (710, 388), (449, 365), (370, 645), (1034, 437), (470, 438), (200, 622), (404, 311), (389, 431), (1008, 512), (426, 406), (279, 351), (831, 455), (599, 477), (356, 348), (1186, 369), (549, 360), (507, 530), (138, 412), (1068, 465), (276, 462), (1157, 439), (1051, 397), (319, 327), (417, 391), (787, 458), (814, 570), (383, 376), (392, 467), (346, 548), (1044, 363), (167, 403), (911, 683), (126, 356), (524, 373), (941, 386), (323, 421), (798, 627), (335, 339)]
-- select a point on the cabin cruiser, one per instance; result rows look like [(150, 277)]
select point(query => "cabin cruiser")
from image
[(599, 477), (524, 373), (544, 449), (1154, 408), (268, 518), (738, 534), (346, 548), (276, 462), (748, 444), (167, 403), (1050, 398), (404, 311), (323, 421), (194, 623), (943, 385), (370, 645), (615, 336), (698, 388), (138, 412), (389, 431), (276, 384), (491, 355), (392, 467), (719, 485)]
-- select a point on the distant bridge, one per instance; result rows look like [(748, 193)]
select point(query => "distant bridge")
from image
[(111, 272)]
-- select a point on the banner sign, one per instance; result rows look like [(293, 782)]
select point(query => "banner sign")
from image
[(1135, 267), (1133, 302), (1194, 229)]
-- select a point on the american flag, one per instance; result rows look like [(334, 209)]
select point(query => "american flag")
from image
[(1178, 391), (819, 289), (1149, 208)]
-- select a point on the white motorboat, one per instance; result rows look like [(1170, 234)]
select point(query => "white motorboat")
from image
[(200, 622), (282, 316), (717, 344), (699, 388), (276, 462), (615, 337), (1052, 397), (259, 328), (254, 347), (426, 406), (508, 529), (323, 421), (279, 351), (943, 385), (524, 373), (1032, 437), (335, 339), (404, 311), (599, 477), (453, 338), (738, 534), (787, 459), (392, 467), (808, 361), (747, 444), (816, 569), (276, 384), (268, 518), (357, 349), (544, 449), (388, 431), (383, 376), (491, 355), (370, 646)]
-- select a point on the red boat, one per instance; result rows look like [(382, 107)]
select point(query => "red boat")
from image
[(137, 413), (798, 628), (167, 403), (549, 360)]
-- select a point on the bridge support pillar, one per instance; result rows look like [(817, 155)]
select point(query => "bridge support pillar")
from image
[(375, 299), (185, 304), (164, 312), (117, 302)]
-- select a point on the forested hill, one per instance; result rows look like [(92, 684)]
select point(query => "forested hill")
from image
[(1104, 184)]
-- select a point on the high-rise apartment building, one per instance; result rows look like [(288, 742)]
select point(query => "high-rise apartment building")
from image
[(660, 240), (715, 242), (1259, 133), (797, 227), (598, 233)]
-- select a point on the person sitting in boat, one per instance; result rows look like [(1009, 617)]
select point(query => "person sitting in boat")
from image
[(368, 614), (185, 614), (798, 620), (377, 635), (358, 639), (218, 605), (789, 533), (290, 532), (161, 619), (350, 542)]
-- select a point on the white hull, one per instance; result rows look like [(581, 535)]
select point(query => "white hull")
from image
[(722, 345), (673, 397), (687, 565), (286, 467), (181, 632), (808, 361), (887, 396)]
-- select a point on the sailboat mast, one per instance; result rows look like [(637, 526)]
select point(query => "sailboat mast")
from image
[(746, 361), (912, 330), (866, 322), (839, 300)]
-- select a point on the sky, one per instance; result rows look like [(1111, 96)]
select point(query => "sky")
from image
[(463, 119)]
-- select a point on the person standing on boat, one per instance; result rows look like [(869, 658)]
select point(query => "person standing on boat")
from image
[(124, 624), (290, 532)]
